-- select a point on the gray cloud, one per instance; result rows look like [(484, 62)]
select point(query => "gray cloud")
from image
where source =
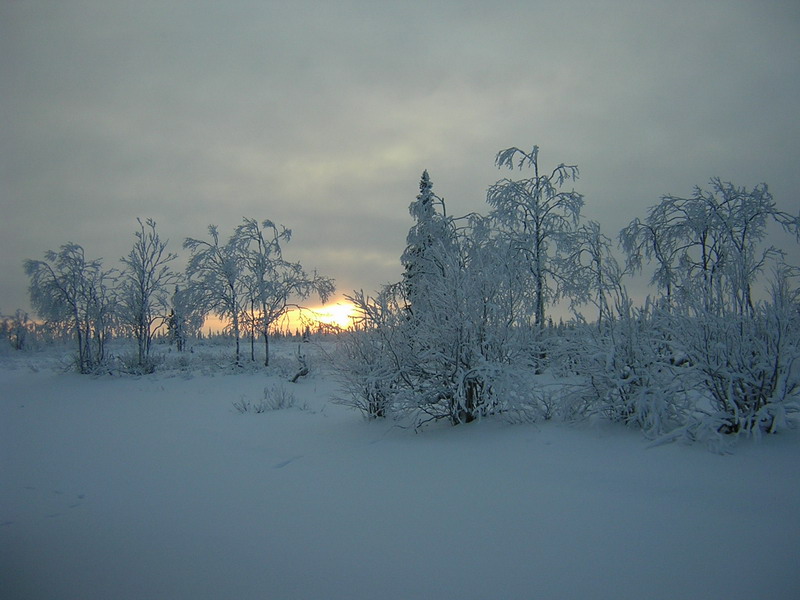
[(322, 116)]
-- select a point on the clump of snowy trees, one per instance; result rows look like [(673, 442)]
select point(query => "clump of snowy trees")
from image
[(736, 356), (466, 332), (245, 280)]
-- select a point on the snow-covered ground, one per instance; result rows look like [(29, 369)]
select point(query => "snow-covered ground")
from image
[(157, 487)]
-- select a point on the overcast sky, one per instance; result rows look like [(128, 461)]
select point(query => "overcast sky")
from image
[(322, 115)]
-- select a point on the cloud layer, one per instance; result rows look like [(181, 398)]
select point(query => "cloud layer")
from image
[(321, 116)]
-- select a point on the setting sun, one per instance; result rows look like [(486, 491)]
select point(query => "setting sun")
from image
[(339, 314)]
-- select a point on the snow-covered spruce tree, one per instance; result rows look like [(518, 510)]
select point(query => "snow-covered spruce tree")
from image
[(143, 288), (72, 292), (440, 348), (535, 215), (430, 238), (215, 279), (440, 353), (271, 282)]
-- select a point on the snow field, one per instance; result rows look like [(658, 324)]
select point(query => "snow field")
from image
[(156, 487)]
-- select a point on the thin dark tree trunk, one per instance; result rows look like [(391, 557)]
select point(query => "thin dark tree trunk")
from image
[(236, 337)]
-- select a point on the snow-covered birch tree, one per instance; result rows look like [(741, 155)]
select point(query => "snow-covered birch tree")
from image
[(67, 288), (272, 283), (215, 276), (535, 215), (708, 246), (592, 272), (144, 287)]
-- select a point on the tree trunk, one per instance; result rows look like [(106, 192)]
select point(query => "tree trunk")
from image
[(236, 336)]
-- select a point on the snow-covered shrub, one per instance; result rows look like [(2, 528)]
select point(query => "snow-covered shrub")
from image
[(243, 405), (276, 397), (746, 367), (18, 330), (367, 364), (521, 395), (302, 365), (627, 371), (137, 364)]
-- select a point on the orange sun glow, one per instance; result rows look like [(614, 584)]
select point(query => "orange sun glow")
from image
[(339, 314)]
